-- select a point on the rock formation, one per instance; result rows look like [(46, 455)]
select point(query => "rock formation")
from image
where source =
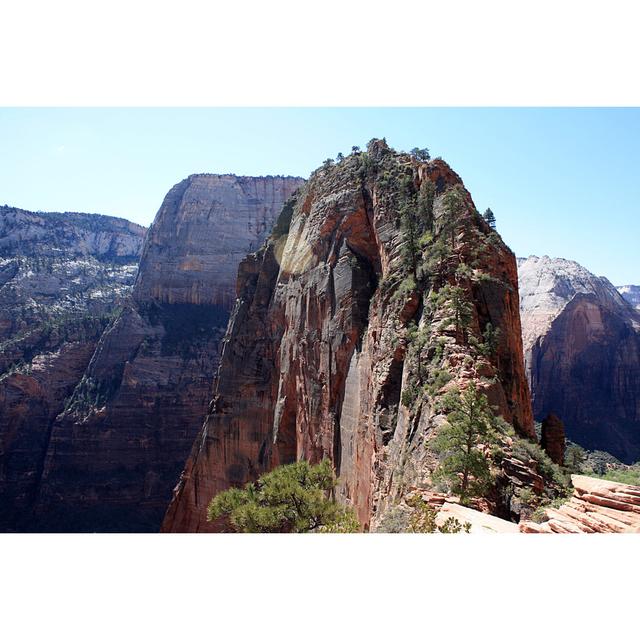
[(116, 453), (553, 440), (62, 275), (631, 293), (597, 506), (582, 354), (381, 288)]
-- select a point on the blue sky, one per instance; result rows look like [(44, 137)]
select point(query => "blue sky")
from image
[(562, 182)]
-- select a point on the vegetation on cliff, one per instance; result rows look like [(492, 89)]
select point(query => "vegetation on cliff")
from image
[(600, 464), (467, 443), (294, 498), (381, 290)]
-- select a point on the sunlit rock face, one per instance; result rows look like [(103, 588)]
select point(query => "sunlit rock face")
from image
[(117, 451), (206, 225), (631, 293), (596, 506), (316, 356), (582, 352)]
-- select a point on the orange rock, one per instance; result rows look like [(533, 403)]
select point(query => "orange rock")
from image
[(597, 506)]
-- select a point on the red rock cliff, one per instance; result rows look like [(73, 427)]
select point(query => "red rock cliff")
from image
[(117, 452), (318, 359)]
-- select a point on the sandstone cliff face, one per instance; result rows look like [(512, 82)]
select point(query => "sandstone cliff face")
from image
[(582, 352), (319, 357), (116, 453), (61, 277)]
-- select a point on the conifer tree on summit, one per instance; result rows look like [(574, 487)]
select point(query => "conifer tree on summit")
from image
[(490, 218)]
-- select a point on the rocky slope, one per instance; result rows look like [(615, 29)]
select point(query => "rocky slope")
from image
[(597, 506), (348, 328), (582, 353), (61, 277), (116, 452), (631, 293)]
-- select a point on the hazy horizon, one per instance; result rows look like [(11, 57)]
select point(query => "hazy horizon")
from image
[(562, 182)]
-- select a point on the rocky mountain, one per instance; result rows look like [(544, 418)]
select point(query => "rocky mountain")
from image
[(62, 276), (582, 354), (116, 452), (379, 289), (631, 293)]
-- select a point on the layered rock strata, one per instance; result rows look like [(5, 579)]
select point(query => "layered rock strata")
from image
[(597, 506), (116, 452), (62, 276), (582, 354), (344, 335)]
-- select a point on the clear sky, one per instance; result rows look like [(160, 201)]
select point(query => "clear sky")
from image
[(562, 182)]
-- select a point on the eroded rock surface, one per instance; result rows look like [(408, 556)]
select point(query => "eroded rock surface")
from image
[(597, 506), (582, 354), (62, 277), (631, 293), (317, 356), (553, 440), (116, 452)]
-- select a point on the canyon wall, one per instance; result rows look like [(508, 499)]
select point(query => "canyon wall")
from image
[(582, 351), (62, 276), (345, 335), (116, 452)]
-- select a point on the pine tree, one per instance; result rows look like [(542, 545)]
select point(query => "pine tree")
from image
[(490, 218), (292, 498), (466, 443), (461, 310), (421, 154), (454, 202)]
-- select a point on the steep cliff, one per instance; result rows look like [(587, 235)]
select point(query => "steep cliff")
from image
[(62, 276), (582, 353), (116, 452), (377, 291)]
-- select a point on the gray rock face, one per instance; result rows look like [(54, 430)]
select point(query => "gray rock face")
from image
[(116, 453), (25, 233), (631, 293), (62, 276), (581, 342), (206, 225)]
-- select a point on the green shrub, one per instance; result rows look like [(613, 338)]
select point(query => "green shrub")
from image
[(631, 475), (395, 520), (525, 450), (409, 395), (539, 514), (292, 498), (405, 289), (466, 443), (423, 519), (438, 380)]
